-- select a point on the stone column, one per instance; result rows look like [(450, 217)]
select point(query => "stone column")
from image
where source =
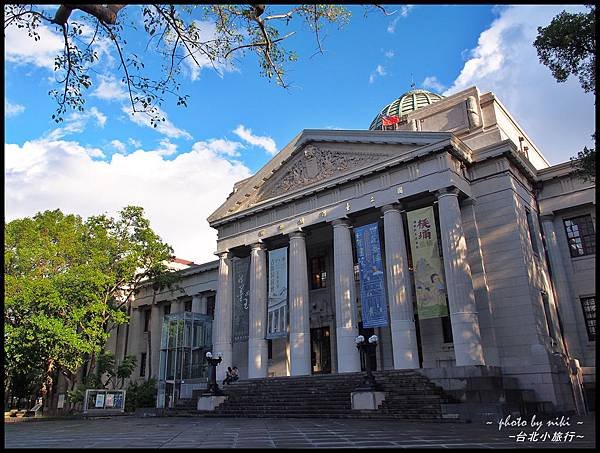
[(199, 304), (156, 318), (480, 286), (402, 321), (299, 307), (348, 358), (461, 298), (177, 306), (222, 325), (257, 344), (563, 290)]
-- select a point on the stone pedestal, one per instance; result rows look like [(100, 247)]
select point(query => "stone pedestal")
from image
[(367, 400), (210, 402)]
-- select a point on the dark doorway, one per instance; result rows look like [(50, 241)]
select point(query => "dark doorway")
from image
[(367, 332), (320, 350)]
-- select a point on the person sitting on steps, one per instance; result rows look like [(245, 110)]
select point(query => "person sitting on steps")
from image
[(232, 375)]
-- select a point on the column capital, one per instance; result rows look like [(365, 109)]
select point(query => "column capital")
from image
[(224, 255), (391, 207), (451, 190), (258, 246), (297, 235), (341, 222), (547, 218)]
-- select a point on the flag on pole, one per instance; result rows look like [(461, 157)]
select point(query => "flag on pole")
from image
[(389, 120)]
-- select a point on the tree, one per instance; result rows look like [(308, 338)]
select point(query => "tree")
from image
[(177, 33), (568, 47), (68, 284)]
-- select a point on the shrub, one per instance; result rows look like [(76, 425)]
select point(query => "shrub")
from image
[(141, 395)]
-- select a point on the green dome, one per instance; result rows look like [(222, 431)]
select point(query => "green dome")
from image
[(409, 102)]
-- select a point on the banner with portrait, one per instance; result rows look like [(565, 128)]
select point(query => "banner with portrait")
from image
[(277, 294), (428, 269), (241, 298), (372, 283)]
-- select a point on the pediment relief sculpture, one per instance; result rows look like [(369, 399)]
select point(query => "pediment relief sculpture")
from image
[(313, 165)]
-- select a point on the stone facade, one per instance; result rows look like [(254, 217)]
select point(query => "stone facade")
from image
[(514, 289)]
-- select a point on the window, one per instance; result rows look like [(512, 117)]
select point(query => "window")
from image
[(447, 329), (548, 316), (188, 305), (588, 304), (147, 313), (318, 275), (269, 349), (210, 306), (167, 309), (580, 234), (532, 235), (143, 365)]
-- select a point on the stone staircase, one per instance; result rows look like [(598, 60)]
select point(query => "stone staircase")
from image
[(409, 396)]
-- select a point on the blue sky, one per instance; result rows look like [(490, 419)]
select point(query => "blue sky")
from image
[(101, 160)]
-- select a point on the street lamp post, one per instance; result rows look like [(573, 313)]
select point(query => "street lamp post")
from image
[(213, 386), (367, 349)]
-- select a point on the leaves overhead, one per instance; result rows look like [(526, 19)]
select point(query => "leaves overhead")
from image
[(199, 35)]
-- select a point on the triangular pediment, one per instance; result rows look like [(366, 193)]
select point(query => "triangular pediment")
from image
[(314, 164), (315, 157)]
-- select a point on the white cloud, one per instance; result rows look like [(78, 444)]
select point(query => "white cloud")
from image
[(379, 71), (558, 117), (11, 109), (267, 143), (110, 89), (433, 83), (164, 127), (43, 174), (225, 147), (133, 142), (19, 48), (76, 122), (118, 145), (206, 32), (404, 12), (389, 53)]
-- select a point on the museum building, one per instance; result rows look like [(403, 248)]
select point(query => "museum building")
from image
[(442, 229)]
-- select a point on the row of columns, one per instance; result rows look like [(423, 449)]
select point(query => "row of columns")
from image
[(463, 313)]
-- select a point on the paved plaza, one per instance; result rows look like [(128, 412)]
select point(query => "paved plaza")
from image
[(195, 432)]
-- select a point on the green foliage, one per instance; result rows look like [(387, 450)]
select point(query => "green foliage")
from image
[(141, 395), (67, 284), (568, 46), (585, 163)]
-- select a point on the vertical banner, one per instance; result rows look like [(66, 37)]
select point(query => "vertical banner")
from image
[(427, 265), (372, 285), (277, 295), (241, 296)]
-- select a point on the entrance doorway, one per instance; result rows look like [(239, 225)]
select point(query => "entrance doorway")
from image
[(320, 350)]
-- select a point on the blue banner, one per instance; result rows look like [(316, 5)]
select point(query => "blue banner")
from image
[(372, 283)]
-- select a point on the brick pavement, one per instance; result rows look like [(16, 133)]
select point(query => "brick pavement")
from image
[(195, 432)]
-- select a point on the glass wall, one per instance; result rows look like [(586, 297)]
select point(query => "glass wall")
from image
[(185, 339)]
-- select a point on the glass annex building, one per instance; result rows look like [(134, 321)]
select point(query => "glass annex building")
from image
[(441, 228)]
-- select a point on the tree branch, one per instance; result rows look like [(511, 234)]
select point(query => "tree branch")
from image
[(106, 14)]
